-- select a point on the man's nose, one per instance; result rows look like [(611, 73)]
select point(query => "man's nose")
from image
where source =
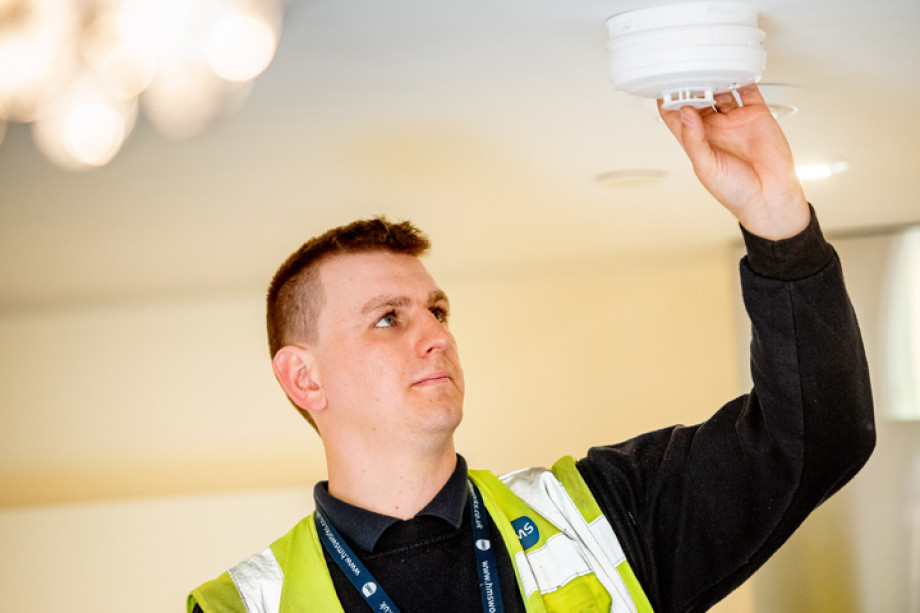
[(433, 335)]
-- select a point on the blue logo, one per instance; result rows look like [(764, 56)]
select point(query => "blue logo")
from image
[(526, 530)]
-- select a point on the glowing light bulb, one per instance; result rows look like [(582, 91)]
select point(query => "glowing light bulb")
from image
[(93, 133), (240, 47), (820, 170)]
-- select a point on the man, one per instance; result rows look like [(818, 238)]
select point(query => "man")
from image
[(669, 521)]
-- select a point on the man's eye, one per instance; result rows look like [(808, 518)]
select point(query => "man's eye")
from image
[(387, 321), (440, 314)]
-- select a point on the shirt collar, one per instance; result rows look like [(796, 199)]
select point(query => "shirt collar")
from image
[(364, 527)]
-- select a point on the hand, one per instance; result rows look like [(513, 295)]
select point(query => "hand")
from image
[(742, 157)]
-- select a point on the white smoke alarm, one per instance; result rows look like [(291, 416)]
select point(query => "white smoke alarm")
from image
[(686, 53)]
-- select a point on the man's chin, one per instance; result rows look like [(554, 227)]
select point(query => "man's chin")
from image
[(446, 414)]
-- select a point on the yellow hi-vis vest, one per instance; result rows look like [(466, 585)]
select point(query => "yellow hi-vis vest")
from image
[(566, 556)]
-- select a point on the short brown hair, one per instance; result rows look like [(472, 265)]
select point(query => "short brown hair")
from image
[(295, 296)]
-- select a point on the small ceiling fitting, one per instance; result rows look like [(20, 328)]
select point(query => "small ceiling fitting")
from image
[(780, 98), (686, 53), (633, 177)]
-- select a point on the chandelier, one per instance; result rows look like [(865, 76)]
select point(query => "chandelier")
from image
[(80, 71)]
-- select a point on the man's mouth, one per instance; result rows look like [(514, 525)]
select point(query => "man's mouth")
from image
[(434, 378)]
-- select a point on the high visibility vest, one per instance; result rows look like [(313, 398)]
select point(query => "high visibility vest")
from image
[(566, 556)]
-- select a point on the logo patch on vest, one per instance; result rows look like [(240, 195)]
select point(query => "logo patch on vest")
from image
[(526, 531)]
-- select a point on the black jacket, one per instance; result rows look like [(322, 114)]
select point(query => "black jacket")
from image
[(699, 509)]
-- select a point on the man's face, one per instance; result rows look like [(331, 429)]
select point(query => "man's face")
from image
[(386, 362)]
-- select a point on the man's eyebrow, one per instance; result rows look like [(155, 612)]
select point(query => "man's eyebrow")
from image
[(384, 302), (437, 296)]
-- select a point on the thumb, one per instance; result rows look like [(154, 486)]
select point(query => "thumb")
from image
[(693, 139)]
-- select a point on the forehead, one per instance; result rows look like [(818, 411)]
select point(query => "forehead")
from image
[(349, 280)]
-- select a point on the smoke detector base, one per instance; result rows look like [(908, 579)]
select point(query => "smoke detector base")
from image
[(697, 98), (685, 53)]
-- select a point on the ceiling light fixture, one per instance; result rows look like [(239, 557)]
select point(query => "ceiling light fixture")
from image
[(634, 177), (79, 72), (808, 171), (686, 53)]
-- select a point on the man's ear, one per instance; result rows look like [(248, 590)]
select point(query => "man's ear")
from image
[(295, 371)]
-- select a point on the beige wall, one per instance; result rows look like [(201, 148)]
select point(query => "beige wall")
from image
[(859, 551), (145, 447)]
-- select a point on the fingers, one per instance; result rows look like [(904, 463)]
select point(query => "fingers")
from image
[(686, 125), (750, 94), (692, 137), (689, 125), (744, 96), (670, 119), (724, 102), (728, 101)]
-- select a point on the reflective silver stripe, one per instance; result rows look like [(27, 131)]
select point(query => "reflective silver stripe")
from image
[(258, 579), (596, 542), (557, 563), (528, 581)]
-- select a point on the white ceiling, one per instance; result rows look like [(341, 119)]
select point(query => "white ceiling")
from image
[(486, 122)]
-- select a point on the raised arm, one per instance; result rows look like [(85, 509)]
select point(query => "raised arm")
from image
[(698, 509), (741, 156)]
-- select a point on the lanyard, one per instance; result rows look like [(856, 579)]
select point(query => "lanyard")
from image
[(485, 557), (375, 596)]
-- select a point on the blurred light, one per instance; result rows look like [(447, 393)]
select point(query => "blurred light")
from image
[(93, 133), (241, 47), (125, 69), (36, 40), (901, 329), (85, 126), (126, 73), (183, 99), (99, 38), (78, 71), (820, 170)]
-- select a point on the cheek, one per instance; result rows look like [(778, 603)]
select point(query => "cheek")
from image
[(455, 359), (360, 372)]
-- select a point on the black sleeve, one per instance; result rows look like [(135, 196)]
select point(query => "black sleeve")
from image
[(197, 609), (698, 509)]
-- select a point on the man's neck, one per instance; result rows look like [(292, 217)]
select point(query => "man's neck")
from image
[(399, 485)]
